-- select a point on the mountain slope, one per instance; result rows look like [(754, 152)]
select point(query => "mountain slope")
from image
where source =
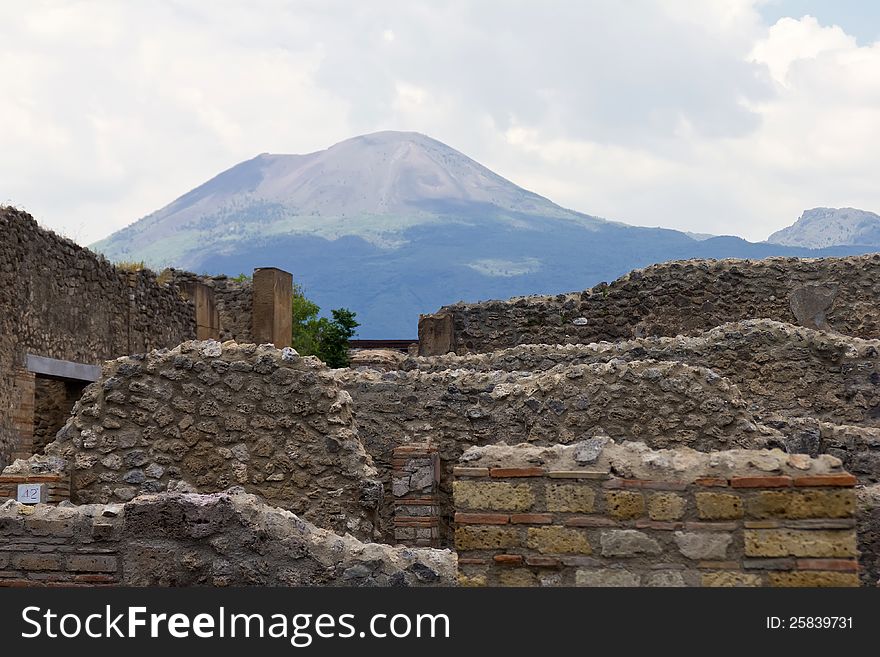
[(373, 186), (823, 227), (395, 224)]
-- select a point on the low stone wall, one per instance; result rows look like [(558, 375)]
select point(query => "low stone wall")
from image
[(838, 377), (597, 514), (205, 416), (225, 539), (665, 404), (672, 298)]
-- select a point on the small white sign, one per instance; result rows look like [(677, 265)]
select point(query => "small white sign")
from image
[(31, 493)]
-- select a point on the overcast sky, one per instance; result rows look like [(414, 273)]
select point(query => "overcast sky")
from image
[(718, 116)]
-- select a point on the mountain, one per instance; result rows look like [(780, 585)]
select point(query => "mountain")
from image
[(394, 224), (822, 227)]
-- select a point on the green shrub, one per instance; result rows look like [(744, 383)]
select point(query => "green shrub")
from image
[(319, 336)]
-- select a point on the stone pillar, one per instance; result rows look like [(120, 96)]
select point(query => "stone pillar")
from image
[(207, 314), (415, 480), (23, 391), (436, 334), (272, 314)]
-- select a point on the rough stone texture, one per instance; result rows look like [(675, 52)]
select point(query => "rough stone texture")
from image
[(800, 543), (810, 303), (558, 540), (633, 516), (493, 496), (570, 498), (683, 298), (606, 577), (816, 503), (223, 539), (636, 461), (414, 490), (710, 545), (628, 543), (837, 375), (666, 506), (728, 579), (813, 579), (206, 416)]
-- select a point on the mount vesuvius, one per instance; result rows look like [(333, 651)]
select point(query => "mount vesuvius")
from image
[(394, 224)]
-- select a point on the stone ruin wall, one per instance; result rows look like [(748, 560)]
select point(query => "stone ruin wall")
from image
[(834, 407), (307, 439), (233, 300), (664, 404), (175, 539), (204, 417), (672, 298), (62, 301), (598, 514)]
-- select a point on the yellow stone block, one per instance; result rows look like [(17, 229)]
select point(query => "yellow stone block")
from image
[(816, 503), (800, 543), (730, 578), (624, 504), (558, 540), (492, 496), (666, 506), (570, 498), (516, 577), (471, 580), (719, 506), (813, 578), (480, 537)]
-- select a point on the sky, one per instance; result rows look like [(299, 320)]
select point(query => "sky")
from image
[(718, 116)]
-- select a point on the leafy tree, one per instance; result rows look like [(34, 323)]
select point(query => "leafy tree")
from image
[(319, 336)]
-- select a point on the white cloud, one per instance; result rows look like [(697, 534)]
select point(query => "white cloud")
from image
[(691, 115), (791, 41)]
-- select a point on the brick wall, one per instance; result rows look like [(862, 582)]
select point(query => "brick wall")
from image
[(626, 516), (188, 540), (57, 485), (59, 546), (23, 399), (205, 416)]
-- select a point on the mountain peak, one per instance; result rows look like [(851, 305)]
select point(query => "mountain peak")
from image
[(373, 186), (825, 227)]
